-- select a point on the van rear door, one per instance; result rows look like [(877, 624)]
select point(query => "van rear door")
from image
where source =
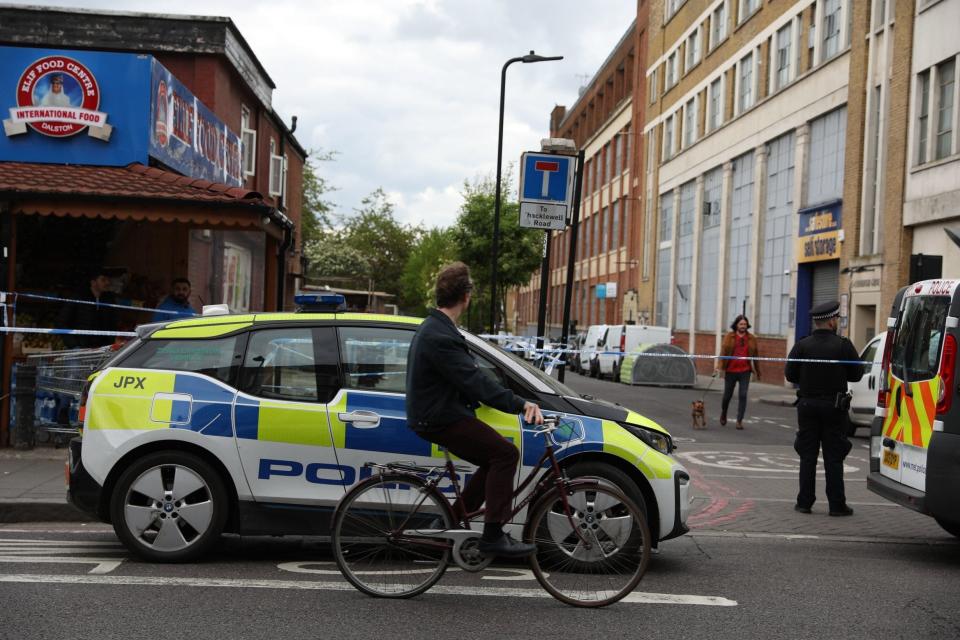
[(914, 382)]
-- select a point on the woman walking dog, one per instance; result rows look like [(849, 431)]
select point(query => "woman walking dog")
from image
[(737, 346)]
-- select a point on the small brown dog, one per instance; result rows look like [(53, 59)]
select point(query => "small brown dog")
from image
[(699, 415)]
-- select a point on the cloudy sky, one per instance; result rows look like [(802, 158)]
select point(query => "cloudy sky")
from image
[(407, 91)]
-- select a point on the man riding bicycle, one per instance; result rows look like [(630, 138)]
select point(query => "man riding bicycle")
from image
[(444, 388)]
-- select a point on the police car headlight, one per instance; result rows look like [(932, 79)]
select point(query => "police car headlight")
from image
[(655, 439)]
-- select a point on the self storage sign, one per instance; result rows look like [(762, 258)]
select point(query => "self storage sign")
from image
[(819, 233)]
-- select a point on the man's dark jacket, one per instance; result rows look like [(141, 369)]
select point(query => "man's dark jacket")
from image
[(88, 316), (444, 382), (820, 380)]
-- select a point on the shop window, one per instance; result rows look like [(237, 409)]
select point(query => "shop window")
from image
[(213, 358), (375, 358), (281, 364), (248, 137)]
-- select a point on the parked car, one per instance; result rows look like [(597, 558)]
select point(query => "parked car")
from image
[(592, 343), (624, 338), (864, 401), (258, 424)]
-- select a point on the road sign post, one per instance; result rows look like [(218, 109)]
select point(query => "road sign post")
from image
[(571, 262)]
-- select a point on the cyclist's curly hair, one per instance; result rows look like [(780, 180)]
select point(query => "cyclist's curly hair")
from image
[(453, 283)]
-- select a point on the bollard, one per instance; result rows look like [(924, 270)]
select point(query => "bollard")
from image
[(23, 390)]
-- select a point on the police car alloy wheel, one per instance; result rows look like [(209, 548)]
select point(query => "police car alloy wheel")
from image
[(169, 506)]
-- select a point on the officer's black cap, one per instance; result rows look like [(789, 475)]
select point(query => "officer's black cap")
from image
[(825, 310)]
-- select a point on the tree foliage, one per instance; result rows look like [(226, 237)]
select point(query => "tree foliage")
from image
[(519, 253), (317, 208), (434, 249)]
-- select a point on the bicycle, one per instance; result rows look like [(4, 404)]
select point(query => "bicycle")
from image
[(395, 533)]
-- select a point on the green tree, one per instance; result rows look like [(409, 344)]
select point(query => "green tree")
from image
[(332, 259), (434, 249), (520, 250), (375, 233), (317, 208)]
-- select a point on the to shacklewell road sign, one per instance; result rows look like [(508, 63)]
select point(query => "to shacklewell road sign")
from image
[(546, 189)]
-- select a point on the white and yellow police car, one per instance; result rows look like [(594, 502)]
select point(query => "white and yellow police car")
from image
[(260, 423)]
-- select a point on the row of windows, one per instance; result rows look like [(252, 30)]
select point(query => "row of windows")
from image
[(936, 122), (608, 163), (277, 180), (684, 127), (295, 364)]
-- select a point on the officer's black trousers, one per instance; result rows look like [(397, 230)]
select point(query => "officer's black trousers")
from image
[(821, 425)]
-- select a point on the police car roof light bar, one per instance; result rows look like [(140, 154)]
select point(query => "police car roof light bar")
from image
[(320, 302)]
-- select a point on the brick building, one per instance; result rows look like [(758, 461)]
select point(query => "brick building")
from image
[(745, 132), (146, 145), (601, 123)]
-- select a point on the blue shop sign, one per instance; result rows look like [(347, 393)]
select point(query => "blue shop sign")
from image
[(74, 107), (110, 109), (186, 136)]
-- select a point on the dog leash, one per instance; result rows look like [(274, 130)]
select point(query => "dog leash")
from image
[(704, 394)]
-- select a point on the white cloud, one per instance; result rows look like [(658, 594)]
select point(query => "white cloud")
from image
[(407, 91)]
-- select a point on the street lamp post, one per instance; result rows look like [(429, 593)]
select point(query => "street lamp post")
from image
[(527, 59)]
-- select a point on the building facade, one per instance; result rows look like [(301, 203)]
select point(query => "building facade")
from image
[(745, 131)]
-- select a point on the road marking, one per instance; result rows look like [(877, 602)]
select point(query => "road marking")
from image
[(103, 565), (148, 581), (18, 550), (490, 573), (701, 533), (753, 461)]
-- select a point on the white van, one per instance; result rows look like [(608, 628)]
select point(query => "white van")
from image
[(864, 401), (624, 338), (596, 337)]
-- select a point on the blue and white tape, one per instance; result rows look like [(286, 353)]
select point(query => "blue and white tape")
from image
[(109, 305)]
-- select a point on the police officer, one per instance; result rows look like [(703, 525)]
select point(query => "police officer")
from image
[(822, 406)]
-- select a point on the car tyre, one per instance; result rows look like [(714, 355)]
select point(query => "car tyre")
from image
[(169, 506), (594, 369)]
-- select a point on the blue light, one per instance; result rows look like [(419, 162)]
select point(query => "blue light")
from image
[(320, 302)]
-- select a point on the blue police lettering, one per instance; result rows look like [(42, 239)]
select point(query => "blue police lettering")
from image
[(127, 381), (270, 468), (344, 476), (341, 476)]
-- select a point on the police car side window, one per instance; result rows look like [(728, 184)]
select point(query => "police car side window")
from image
[(214, 358), (375, 358), (281, 364)]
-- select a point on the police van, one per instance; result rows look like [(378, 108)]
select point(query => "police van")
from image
[(259, 424), (915, 436)]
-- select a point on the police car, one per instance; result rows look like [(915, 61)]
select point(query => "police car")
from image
[(259, 423)]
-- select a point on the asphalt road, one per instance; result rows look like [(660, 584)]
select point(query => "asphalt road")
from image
[(751, 567)]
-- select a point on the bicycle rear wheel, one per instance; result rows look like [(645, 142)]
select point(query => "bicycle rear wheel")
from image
[(374, 537), (615, 555)]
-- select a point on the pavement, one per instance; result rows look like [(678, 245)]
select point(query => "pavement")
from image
[(33, 486)]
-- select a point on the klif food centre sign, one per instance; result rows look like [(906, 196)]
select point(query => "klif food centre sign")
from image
[(546, 190), (109, 109), (819, 234), (186, 136)]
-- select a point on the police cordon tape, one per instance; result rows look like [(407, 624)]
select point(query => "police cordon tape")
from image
[(69, 332), (110, 305)]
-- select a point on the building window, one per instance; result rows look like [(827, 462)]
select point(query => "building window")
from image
[(248, 140), (782, 61), (664, 258), (616, 243), (945, 83), (747, 9), (672, 6), (671, 78), (668, 138), (874, 167), (618, 154), (277, 171), (596, 234), (625, 138), (778, 237), (718, 24), (745, 83), (693, 49), (879, 13), (716, 104), (741, 237), (604, 231), (684, 280), (608, 154), (831, 28), (652, 87), (690, 122), (709, 269), (923, 115), (812, 37), (825, 157)]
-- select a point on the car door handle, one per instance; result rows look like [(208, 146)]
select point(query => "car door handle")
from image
[(361, 419)]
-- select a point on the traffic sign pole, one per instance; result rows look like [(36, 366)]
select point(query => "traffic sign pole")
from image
[(544, 286), (571, 261)]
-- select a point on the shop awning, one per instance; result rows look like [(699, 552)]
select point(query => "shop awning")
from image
[(134, 192)]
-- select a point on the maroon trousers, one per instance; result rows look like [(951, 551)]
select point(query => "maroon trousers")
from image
[(496, 458)]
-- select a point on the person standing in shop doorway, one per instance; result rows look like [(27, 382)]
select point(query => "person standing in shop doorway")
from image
[(737, 353), (90, 316), (178, 302)]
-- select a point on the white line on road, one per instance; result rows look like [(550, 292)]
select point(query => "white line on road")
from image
[(635, 598), (104, 565), (705, 533)]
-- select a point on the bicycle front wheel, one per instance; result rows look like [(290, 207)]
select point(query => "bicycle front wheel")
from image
[(605, 561), (375, 536)]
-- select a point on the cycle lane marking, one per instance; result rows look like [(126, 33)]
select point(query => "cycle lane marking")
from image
[(146, 581), (22, 551)]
